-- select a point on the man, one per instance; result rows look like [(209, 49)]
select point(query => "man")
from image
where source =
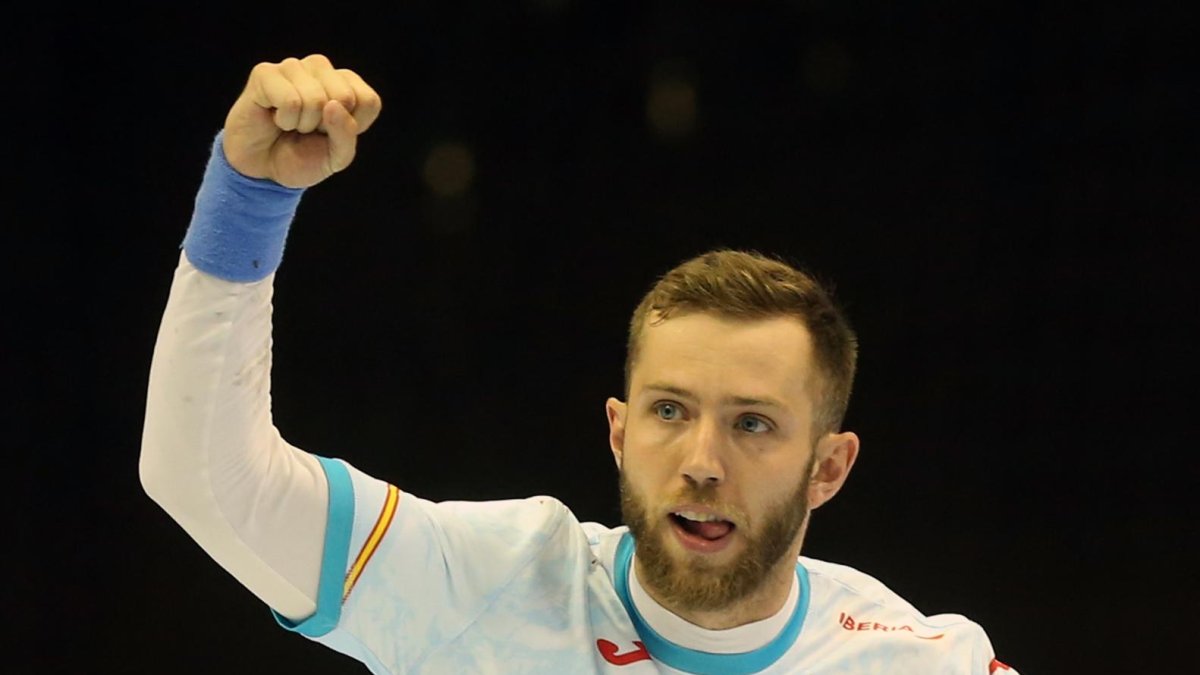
[(738, 374)]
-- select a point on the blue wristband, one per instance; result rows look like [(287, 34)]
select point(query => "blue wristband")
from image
[(240, 224)]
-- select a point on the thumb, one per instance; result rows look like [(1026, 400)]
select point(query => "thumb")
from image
[(342, 130)]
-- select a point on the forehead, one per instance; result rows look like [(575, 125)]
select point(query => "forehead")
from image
[(704, 352)]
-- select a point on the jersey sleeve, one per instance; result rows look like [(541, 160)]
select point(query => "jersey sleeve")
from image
[(968, 648), (997, 667), (985, 661), (402, 576)]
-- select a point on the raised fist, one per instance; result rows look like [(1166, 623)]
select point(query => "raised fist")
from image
[(297, 121)]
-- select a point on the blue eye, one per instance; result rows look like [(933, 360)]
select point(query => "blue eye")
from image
[(667, 411), (753, 425)]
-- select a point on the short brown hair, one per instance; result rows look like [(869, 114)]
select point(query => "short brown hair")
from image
[(750, 285)]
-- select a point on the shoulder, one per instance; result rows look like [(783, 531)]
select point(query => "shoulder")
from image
[(370, 496), (835, 583), (842, 580), (531, 522), (528, 511), (854, 609)]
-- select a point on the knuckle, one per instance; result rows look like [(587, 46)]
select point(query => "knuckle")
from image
[(370, 101), (317, 60), (290, 103), (311, 88)]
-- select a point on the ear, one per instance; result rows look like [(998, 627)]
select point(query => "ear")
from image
[(835, 455), (616, 410)]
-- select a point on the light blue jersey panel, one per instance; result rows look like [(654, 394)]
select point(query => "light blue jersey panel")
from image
[(462, 587), (485, 587)]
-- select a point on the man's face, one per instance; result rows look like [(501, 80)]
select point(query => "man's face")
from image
[(715, 454)]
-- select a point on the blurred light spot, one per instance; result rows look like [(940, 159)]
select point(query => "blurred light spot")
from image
[(826, 67), (449, 169), (671, 104)]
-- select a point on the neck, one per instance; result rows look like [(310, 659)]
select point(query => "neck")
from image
[(762, 603)]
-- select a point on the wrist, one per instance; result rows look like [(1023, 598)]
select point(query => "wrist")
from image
[(240, 224)]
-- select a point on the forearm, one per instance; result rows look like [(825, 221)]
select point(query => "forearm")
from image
[(211, 456)]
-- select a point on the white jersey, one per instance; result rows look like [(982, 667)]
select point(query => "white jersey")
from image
[(521, 586)]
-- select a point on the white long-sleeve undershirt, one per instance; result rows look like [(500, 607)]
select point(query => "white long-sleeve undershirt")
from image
[(211, 456)]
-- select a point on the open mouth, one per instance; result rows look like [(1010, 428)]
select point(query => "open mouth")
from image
[(701, 531)]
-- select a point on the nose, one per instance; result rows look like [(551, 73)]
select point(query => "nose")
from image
[(703, 461)]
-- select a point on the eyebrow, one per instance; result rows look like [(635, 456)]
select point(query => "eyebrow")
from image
[(729, 400)]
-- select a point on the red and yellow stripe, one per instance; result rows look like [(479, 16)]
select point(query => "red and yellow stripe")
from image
[(373, 539)]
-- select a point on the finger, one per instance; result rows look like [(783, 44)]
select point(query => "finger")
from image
[(336, 87), (342, 130), (367, 103), (312, 94), (269, 89), (319, 67), (315, 62)]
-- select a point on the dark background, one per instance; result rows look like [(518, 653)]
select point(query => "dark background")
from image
[(1004, 197)]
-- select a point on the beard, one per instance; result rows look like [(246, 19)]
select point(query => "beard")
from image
[(693, 583)]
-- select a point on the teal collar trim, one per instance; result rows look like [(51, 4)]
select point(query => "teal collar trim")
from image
[(691, 660)]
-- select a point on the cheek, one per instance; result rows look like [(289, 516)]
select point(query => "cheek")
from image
[(647, 466), (643, 469), (648, 444), (774, 486)]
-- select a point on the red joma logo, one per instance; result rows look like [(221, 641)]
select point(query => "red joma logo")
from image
[(609, 651)]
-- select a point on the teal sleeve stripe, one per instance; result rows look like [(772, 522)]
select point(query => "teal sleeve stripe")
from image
[(693, 661), (333, 560)]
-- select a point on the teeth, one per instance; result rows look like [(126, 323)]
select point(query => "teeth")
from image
[(698, 517)]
